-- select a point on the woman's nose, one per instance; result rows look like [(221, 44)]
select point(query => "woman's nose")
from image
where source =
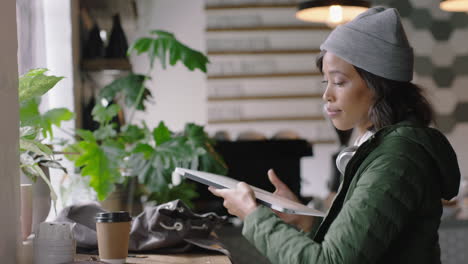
[(327, 96)]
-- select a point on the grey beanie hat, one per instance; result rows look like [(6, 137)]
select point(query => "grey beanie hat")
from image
[(374, 41)]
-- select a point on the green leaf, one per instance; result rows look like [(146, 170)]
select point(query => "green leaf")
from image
[(103, 115), (140, 46), (115, 150), (53, 164), (144, 149), (57, 115), (161, 133), (153, 52), (96, 165), (111, 90), (132, 133), (35, 147), (156, 179), (46, 128), (164, 43), (115, 153), (132, 97), (86, 135), (155, 171), (193, 59), (54, 117), (29, 172), (138, 163), (175, 53), (172, 153), (30, 116), (129, 86), (28, 132), (163, 34), (106, 131), (29, 112), (209, 161), (35, 83)]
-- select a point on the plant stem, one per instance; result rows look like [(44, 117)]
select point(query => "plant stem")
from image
[(66, 153)]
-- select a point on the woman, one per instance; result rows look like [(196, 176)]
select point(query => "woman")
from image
[(388, 207)]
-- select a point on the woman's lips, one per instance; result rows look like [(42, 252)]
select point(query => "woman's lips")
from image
[(333, 112)]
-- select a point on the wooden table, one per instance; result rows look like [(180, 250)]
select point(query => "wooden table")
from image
[(170, 259)]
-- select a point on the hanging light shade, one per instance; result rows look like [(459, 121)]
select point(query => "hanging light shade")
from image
[(331, 12), (454, 5)]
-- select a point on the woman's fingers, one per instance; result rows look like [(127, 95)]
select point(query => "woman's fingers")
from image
[(216, 192), (281, 188), (244, 187), (239, 201), (275, 180), (241, 187)]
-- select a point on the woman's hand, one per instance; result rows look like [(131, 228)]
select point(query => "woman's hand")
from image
[(301, 221), (239, 201)]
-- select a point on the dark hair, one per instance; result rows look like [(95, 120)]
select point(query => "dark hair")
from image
[(394, 101)]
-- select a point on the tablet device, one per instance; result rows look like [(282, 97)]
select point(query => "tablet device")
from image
[(266, 198)]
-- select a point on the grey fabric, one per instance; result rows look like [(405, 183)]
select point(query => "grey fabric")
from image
[(167, 228), (85, 228), (376, 42)]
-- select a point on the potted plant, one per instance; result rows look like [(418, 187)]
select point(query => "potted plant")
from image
[(36, 157), (112, 152)]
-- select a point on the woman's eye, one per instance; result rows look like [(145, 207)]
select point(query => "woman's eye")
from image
[(338, 83)]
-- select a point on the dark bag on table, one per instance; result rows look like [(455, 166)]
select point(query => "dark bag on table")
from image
[(167, 228)]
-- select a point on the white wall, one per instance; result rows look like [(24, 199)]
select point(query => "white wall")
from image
[(9, 161), (179, 94)]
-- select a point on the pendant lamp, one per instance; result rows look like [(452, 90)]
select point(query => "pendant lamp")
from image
[(331, 12), (454, 5)]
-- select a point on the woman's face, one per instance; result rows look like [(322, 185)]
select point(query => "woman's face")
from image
[(348, 99)]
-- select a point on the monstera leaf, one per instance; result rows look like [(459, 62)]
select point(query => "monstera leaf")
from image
[(165, 46), (198, 138), (129, 87)]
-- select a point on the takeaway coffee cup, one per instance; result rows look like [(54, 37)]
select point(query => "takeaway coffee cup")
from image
[(113, 231)]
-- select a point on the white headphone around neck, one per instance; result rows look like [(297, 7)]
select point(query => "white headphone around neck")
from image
[(347, 153), (344, 157)]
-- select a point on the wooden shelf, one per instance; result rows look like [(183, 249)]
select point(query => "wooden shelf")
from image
[(263, 52), (323, 141), (264, 97), (270, 28), (267, 75), (247, 6), (106, 64), (267, 119)]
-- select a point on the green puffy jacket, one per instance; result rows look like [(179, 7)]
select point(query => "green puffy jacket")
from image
[(387, 209)]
